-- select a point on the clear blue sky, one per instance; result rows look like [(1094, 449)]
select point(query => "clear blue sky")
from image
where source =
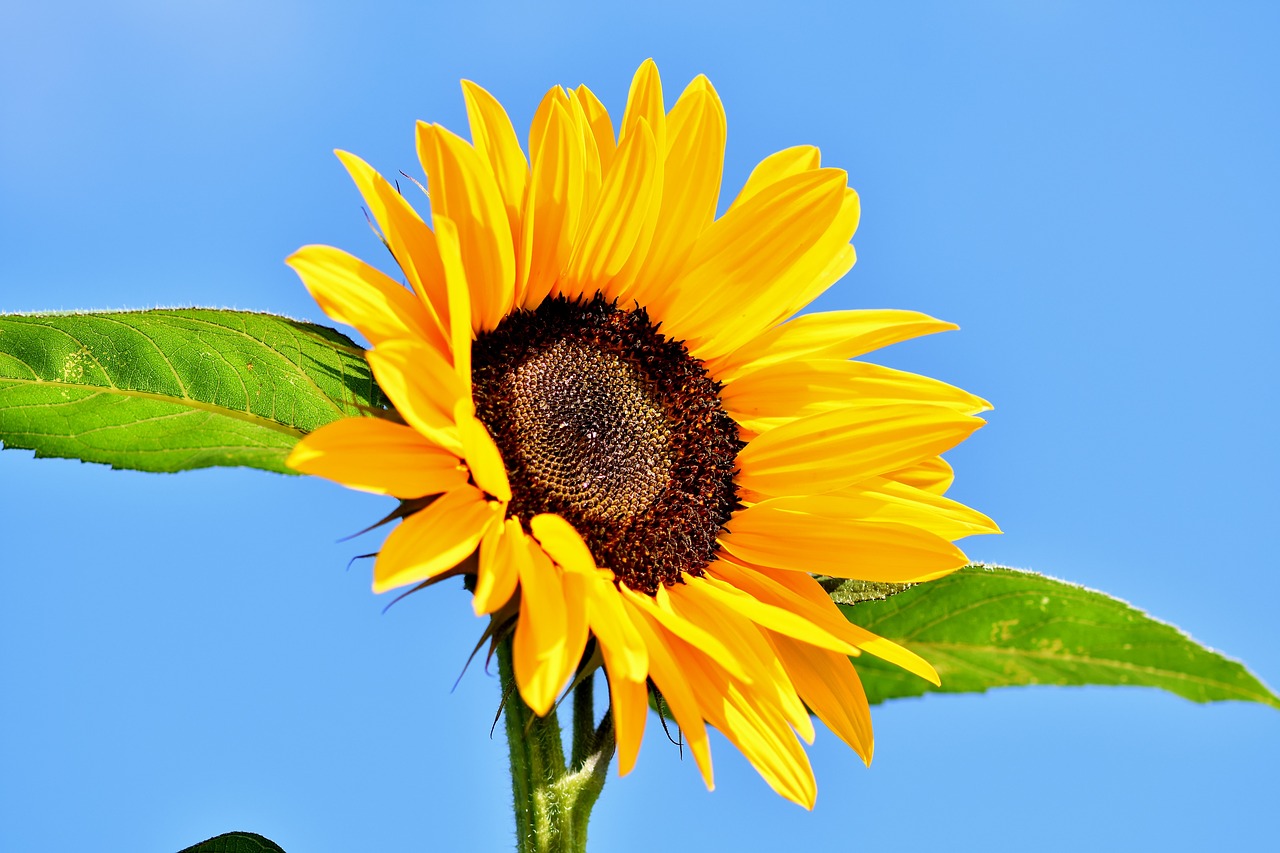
[(1088, 189)]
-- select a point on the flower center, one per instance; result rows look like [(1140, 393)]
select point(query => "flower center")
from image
[(604, 421)]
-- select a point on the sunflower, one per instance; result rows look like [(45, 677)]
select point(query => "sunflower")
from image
[(607, 415)]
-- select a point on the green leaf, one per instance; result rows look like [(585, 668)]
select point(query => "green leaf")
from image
[(236, 842), (987, 626), (171, 390)]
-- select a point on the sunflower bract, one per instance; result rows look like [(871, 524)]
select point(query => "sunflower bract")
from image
[(600, 392)]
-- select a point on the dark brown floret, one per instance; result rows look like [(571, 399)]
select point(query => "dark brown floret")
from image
[(604, 420)]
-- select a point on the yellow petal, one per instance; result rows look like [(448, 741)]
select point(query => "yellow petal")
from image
[(824, 261), (607, 240), (768, 744), (829, 684), (495, 140), (830, 334), (352, 292), (562, 542), (882, 499), (695, 601), (660, 609), (831, 450), (826, 264), (435, 539), (932, 475), (693, 165), (542, 115), (592, 174), (629, 704), (482, 455), (525, 238), (552, 205), (669, 674), (770, 616), (775, 167), (538, 648), (464, 190), (787, 533), (623, 647), (498, 573), (753, 724), (644, 102), (461, 318), (600, 123), (802, 593), (772, 396), (576, 630), (625, 286), (746, 251), (378, 456), (410, 241), (423, 387)]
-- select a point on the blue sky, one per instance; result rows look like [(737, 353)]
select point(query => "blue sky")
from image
[(1088, 189)]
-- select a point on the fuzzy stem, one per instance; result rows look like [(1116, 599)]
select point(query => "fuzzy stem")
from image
[(553, 801)]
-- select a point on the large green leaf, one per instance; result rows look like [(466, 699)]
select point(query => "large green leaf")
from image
[(236, 842), (985, 627), (170, 390)]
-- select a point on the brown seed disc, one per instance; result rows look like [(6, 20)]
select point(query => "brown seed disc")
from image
[(605, 421)]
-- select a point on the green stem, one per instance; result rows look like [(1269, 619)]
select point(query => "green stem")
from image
[(553, 800), (584, 727)]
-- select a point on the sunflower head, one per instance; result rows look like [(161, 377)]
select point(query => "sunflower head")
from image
[(602, 394)]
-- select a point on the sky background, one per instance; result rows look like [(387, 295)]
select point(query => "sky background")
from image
[(1088, 189)]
